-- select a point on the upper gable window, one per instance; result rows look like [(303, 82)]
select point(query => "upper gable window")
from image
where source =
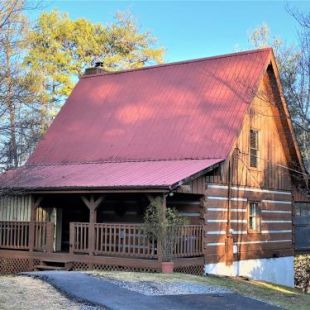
[(253, 152)]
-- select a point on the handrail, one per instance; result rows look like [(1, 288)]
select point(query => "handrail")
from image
[(31, 236), (130, 240)]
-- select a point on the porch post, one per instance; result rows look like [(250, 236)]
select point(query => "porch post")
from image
[(92, 205), (35, 204), (163, 214)]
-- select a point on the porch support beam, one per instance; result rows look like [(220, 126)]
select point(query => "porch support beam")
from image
[(34, 206), (33, 211), (92, 204), (163, 215)]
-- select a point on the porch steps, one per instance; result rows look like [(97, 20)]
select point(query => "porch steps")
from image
[(53, 264), (44, 267)]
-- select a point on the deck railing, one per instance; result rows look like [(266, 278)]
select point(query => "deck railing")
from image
[(14, 235), (130, 240), (189, 241), (124, 239), (33, 236)]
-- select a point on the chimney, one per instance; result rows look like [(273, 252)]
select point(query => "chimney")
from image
[(97, 69)]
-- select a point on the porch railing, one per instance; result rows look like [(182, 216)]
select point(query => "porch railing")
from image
[(33, 236), (189, 241), (131, 240)]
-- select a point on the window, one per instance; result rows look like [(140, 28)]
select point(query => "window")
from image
[(253, 148), (253, 217)]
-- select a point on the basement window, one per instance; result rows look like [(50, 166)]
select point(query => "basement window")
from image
[(253, 143), (254, 218)]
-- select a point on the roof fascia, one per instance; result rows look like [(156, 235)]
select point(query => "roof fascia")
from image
[(275, 70), (195, 176)]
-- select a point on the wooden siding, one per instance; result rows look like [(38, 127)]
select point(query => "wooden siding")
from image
[(265, 115), (189, 207), (276, 236), (18, 208), (15, 208), (196, 186)]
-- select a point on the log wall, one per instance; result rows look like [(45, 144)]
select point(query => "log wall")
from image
[(276, 236)]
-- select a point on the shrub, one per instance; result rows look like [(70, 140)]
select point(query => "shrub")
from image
[(164, 225), (302, 272)]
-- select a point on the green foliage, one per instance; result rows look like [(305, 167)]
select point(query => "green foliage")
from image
[(61, 49), (302, 272), (164, 225)]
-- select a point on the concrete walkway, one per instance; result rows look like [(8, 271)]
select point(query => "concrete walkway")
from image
[(96, 291)]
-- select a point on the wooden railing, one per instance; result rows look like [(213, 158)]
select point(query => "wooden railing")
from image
[(79, 234), (14, 235), (124, 239), (43, 236), (189, 241), (32, 236), (130, 240)]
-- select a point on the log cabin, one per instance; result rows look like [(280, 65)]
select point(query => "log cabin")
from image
[(212, 137)]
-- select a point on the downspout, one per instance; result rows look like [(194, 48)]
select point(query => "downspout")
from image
[(229, 242)]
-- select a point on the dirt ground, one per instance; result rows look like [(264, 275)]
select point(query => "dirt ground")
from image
[(25, 293)]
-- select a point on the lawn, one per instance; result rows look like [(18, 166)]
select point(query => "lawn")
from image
[(284, 297), (25, 293)]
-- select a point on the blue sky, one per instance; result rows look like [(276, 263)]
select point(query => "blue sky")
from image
[(193, 29)]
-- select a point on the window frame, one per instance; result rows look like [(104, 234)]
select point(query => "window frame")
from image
[(258, 216), (254, 149)]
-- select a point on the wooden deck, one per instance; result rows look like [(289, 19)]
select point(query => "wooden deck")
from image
[(99, 245)]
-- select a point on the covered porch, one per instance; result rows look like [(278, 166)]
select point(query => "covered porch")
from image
[(100, 229)]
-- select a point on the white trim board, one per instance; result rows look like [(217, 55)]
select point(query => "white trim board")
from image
[(225, 198), (224, 221), (245, 232), (225, 210), (275, 221), (277, 201), (276, 211), (250, 189)]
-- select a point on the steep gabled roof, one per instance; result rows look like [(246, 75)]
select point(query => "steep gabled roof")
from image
[(163, 124), (185, 110)]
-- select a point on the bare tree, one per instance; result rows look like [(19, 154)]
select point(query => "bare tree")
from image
[(294, 67), (17, 100)]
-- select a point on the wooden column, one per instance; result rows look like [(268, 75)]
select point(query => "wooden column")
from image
[(71, 239), (49, 237), (203, 222), (163, 215), (92, 204), (35, 204)]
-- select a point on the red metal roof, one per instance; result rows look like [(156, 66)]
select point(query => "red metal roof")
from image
[(147, 127), (186, 110), (105, 175)]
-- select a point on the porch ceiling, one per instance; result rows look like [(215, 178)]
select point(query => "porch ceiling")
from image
[(145, 174)]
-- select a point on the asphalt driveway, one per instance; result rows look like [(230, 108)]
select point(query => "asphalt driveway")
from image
[(97, 291)]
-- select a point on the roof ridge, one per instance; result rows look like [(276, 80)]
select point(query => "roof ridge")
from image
[(115, 162), (181, 62)]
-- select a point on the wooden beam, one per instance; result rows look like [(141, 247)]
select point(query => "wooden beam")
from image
[(34, 206), (92, 204)]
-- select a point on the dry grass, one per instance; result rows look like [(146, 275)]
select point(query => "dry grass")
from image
[(284, 297), (25, 293)]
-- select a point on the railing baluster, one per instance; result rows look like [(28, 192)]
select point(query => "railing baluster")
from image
[(131, 240)]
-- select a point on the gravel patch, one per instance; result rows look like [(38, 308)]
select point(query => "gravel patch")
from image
[(25, 293), (159, 288)]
